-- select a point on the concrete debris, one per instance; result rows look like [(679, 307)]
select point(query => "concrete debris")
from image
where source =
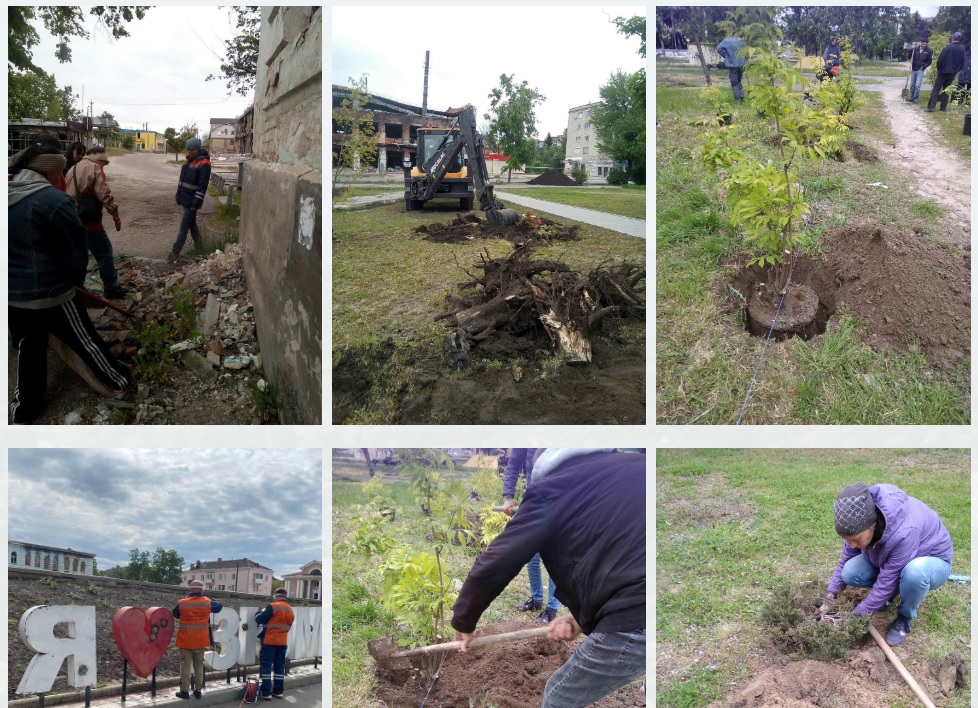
[(209, 315), (181, 346), (236, 362), (214, 359), (73, 418)]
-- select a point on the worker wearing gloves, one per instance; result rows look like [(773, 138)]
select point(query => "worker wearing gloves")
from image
[(274, 637), (195, 173), (85, 183), (584, 513), (193, 636), (734, 56), (892, 543)]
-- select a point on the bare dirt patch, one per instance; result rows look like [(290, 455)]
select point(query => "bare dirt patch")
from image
[(531, 229), (554, 177), (907, 292), (510, 675), (862, 153)]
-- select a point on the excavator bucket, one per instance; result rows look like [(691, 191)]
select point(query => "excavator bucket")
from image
[(502, 217)]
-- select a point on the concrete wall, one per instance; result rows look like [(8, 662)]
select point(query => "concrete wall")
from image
[(281, 209)]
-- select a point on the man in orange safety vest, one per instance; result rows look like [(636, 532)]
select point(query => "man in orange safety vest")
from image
[(277, 618), (193, 636)]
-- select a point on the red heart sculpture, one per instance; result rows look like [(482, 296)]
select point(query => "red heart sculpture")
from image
[(142, 637)]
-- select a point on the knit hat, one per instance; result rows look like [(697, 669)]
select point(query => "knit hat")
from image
[(956, 36), (855, 510), (193, 143), (196, 587), (46, 164), (280, 592)]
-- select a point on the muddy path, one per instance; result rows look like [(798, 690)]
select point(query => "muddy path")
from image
[(144, 185), (934, 171)]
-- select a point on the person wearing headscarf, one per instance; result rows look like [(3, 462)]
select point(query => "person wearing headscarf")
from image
[(195, 173), (892, 543), (47, 256)]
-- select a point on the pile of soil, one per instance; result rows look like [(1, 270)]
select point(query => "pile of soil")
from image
[(531, 229), (554, 177), (906, 291), (509, 675)]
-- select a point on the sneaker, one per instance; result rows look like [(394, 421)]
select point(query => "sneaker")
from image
[(266, 698), (182, 694), (196, 694), (172, 257), (930, 110), (899, 631), (278, 695), (116, 293), (530, 605), (546, 617)]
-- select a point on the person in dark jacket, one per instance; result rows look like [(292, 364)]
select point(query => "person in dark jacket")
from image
[(47, 256), (191, 190), (964, 77), (892, 543), (920, 59), (832, 56), (731, 49), (949, 63), (521, 463), (194, 636), (584, 513)]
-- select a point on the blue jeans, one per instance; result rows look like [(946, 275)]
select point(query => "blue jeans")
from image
[(917, 578), (536, 584), (601, 664), (188, 222), (272, 661), (101, 248), (916, 79)]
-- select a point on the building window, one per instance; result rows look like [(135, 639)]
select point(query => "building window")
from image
[(259, 576), (37, 560), (587, 126), (74, 565), (585, 151), (577, 151), (221, 576), (232, 576), (220, 587), (13, 558), (27, 558), (83, 566), (587, 138), (577, 139)]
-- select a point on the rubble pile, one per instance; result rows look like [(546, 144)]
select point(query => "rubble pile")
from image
[(211, 372)]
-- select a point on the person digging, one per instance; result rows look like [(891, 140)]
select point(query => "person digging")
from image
[(892, 543)]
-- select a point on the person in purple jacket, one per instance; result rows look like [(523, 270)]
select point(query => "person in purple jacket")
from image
[(893, 543)]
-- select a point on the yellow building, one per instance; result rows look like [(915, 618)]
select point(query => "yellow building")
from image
[(145, 140)]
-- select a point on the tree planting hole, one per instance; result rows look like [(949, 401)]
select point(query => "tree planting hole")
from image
[(804, 313)]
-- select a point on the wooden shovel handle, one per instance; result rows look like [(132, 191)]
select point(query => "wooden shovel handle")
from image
[(475, 643), (895, 660)]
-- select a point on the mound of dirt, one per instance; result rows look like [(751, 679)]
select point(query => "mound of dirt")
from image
[(907, 292), (509, 675), (530, 229), (801, 684), (554, 177)]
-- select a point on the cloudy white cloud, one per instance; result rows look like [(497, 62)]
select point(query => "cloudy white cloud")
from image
[(263, 504)]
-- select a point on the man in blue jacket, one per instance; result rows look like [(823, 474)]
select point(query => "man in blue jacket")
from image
[(194, 177), (949, 63), (584, 513), (735, 59), (892, 543)]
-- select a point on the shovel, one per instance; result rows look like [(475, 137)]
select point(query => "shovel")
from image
[(385, 652), (903, 94)]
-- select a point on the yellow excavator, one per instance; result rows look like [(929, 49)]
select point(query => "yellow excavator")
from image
[(451, 164)]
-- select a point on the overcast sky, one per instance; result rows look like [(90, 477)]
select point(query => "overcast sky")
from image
[(565, 52), (261, 504), (154, 76)]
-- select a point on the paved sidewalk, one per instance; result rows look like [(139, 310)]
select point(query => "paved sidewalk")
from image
[(612, 222)]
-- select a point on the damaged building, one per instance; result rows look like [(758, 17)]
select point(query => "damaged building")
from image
[(395, 126)]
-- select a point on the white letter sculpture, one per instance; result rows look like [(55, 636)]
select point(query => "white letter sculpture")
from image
[(225, 636), (37, 631)]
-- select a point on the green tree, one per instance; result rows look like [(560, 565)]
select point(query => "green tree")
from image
[(633, 26), (355, 136), (755, 25), (170, 140), (128, 142), (167, 567), (139, 567), (954, 18), (64, 22), (240, 65), (512, 120), (32, 95), (619, 121)]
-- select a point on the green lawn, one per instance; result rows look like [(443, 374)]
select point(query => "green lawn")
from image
[(613, 200), (705, 359), (732, 524), (950, 123)]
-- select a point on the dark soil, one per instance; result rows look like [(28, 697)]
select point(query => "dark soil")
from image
[(908, 293), (554, 177), (509, 675), (797, 315), (862, 153), (531, 229)]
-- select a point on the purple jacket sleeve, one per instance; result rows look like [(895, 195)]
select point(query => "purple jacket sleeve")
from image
[(836, 585), (887, 582), (517, 460)]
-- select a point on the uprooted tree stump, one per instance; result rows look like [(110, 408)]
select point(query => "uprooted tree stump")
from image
[(520, 293)]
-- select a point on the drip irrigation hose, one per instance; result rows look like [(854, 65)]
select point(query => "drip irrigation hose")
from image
[(434, 679)]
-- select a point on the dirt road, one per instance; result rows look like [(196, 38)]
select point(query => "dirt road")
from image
[(935, 171), (145, 185)]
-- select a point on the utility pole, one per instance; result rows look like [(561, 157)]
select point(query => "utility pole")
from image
[(424, 98)]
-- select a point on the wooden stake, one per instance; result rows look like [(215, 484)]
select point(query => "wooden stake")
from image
[(895, 660)]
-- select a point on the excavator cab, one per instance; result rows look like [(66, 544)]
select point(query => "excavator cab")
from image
[(456, 184)]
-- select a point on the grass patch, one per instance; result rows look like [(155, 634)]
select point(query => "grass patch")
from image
[(950, 123), (613, 200), (927, 210), (221, 227), (732, 525), (705, 359)]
